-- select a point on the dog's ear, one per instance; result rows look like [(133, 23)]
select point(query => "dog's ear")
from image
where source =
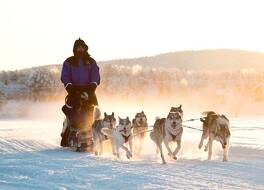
[(113, 114), (180, 106), (142, 112), (105, 114), (214, 116)]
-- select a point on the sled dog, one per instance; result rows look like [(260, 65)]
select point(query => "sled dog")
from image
[(216, 127), (121, 135), (168, 130), (109, 121), (140, 126)]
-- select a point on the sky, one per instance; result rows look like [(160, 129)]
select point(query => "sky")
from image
[(34, 33)]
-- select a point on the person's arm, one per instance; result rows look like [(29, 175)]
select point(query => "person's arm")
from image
[(66, 76), (95, 75)]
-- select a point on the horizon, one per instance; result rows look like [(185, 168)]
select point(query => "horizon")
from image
[(30, 37), (139, 57)]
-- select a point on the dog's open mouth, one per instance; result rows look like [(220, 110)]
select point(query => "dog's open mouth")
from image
[(123, 130), (174, 125)]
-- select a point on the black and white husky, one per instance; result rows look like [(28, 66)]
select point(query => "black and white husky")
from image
[(168, 130), (216, 127), (121, 135), (140, 126), (109, 121)]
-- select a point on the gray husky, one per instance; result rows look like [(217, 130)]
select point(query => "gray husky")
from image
[(121, 135), (109, 121), (168, 130), (177, 109), (140, 126), (216, 127)]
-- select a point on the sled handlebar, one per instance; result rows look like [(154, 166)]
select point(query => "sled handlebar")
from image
[(90, 88)]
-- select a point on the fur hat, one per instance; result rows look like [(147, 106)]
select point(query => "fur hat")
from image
[(79, 42)]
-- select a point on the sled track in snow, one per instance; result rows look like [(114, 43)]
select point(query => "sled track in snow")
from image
[(40, 165), (13, 145)]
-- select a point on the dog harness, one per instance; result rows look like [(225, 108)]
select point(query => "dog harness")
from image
[(126, 138), (174, 136)]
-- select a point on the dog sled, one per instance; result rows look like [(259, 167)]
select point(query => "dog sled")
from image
[(77, 126)]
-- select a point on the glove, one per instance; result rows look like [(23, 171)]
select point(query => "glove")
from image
[(85, 96), (90, 88), (93, 87)]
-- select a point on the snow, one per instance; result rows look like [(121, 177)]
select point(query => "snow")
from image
[(59, 169), (30, 158)]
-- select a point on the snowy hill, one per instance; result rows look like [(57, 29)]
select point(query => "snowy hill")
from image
[(222, 60)]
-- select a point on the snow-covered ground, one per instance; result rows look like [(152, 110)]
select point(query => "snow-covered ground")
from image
[(30, 158)]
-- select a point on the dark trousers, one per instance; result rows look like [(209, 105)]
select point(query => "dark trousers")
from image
[(71, 113)]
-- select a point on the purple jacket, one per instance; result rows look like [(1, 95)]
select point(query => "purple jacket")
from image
[(76, 72), (80, 73)]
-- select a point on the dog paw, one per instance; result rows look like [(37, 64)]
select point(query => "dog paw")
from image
[(164, 162), (129, 155), (200, 146), (175, 157), (225, 160)]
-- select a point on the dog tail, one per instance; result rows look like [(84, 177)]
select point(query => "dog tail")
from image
[(97, 113), (107, 132)]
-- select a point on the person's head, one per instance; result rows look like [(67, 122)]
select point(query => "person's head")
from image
[(79, 48)]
